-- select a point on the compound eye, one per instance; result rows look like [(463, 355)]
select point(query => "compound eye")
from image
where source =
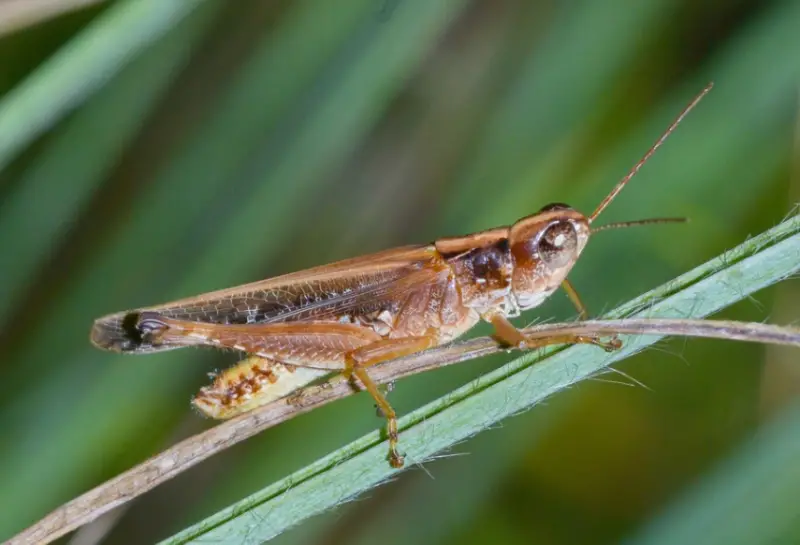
[(558, 244), (555, 206)]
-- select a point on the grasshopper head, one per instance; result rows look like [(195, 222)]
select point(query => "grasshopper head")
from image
[(545, 246)]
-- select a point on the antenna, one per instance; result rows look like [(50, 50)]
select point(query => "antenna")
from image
[(634, 223), (621, 184)]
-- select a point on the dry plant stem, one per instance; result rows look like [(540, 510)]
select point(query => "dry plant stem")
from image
[(193, 450)]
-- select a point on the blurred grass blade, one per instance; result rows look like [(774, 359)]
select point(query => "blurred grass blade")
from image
[(222, 173), (749, 499), (81, 67), (63, 179), (351, 470), (57, 186), (542, 103), (17, 14)]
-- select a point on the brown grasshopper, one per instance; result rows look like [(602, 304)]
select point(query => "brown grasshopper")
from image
[(348, 316)]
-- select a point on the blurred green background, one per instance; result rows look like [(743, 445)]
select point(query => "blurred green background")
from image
[(155, 149)]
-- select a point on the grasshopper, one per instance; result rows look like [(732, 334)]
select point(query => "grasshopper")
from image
[(348, 316)]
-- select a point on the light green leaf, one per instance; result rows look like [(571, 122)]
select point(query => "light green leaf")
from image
[(81, 67)]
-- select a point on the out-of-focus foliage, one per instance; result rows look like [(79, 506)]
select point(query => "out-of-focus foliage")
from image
[(231, 141)]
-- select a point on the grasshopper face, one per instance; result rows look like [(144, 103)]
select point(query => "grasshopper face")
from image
[(544, 247)]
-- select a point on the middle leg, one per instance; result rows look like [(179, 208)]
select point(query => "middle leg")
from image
[(583, 314), (572, 293)]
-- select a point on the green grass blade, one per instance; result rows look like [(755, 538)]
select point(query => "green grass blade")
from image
[(81, 67), (15, 16), (525, 122), (517, 386), (58, 185), (63, 179), (334, 124)]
